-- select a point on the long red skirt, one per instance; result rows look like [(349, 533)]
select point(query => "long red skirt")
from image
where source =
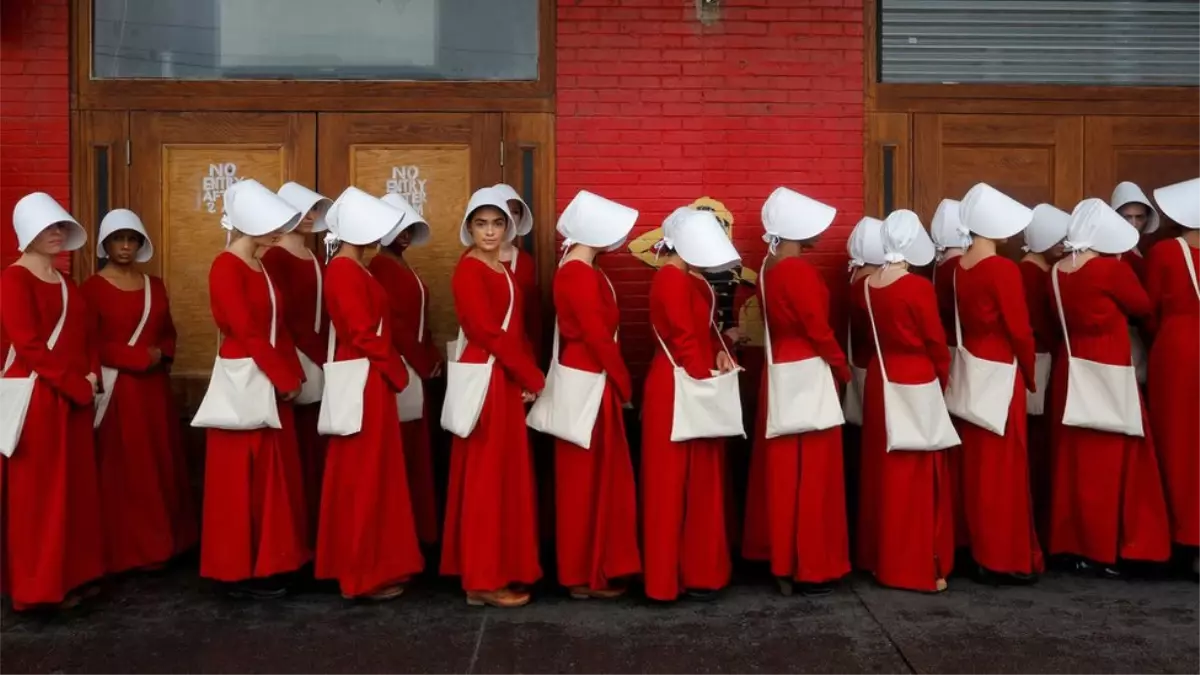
[(491, 533), (995, 493), (149, 513), (1040, 471), (1174, 399), (51, 519), (367, 539), (255, 518), (955, 489), (418, 460), (906, 523), (596, 504), (312, 460)]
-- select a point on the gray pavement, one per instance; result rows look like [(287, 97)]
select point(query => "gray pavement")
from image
[(174, 622)]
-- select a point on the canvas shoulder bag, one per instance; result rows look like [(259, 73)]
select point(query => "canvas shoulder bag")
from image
[(410, 402), (980, 390), (314, 376), (17, 392), (467, 383)]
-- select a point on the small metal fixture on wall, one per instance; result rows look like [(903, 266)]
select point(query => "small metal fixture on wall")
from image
[(708, 11)]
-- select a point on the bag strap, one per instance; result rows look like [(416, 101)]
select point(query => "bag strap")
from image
[(462, 337), (332, 347), (712, 319), (317, 270), (554, 348), (271, 296), (512, 264), (137, 332), (762, 288), (1059, 305), (424, 291), (1187, 260), (874, 331), (958, 338), (53, 339), (849, 326)]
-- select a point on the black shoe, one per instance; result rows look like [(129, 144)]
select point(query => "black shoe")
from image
[(701, 595), (257, 589), (814, 590), (1097, 569)]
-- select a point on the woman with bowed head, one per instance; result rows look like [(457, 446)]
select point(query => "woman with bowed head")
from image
[(796, 476), (1107, 496), (408, 304), (1174, 384), (366, 538), (1134, 206), (683, 481), (52, 534), (905, 531), (490, 538), (595, 494), (1043, 247), (297, 274), (994, 368), (149, 513), (255, 522)]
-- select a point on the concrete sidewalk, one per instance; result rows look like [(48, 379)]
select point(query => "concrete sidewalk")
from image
[(175, 623)]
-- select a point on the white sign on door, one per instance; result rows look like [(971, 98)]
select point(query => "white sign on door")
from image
[(406, 181), (213, 186)]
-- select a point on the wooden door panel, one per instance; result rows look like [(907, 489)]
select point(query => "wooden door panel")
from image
[(435, 161), (100, 176), (1151, 152), (181, 165), (888, 160)]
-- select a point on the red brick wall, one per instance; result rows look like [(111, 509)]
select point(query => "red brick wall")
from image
[(656, 109), (35, 144)]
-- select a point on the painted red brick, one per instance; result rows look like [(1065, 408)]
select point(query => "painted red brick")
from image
[(35, 149), (656, 109)]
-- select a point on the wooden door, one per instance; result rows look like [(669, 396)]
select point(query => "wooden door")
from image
[(435, 161), (1150, 151), (180, 165), (99, 177)]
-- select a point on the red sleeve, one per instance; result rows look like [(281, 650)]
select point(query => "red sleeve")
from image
[(387, 273), (526, 277), (925, 312), (1041, 318), (481, 328), (111, 350), (348, 300), (1126, 290), (20, 308), (804, 290), (167, 337), (670, 304), (227, 293), (1156, 278), (1010, 297), (582, 302)]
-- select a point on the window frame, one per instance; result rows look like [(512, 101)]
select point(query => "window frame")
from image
[(310, 95)]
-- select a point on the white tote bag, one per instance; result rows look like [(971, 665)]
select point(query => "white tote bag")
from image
[(467, 383), (1035, 401), (240, 397), (109, 375), (915, 414), (17, 392), (314, 384), (341, 411), (801, 395), (852, 402), (1099, 396), (410, 403), (1187, 261), (570, 403), (980, 390)]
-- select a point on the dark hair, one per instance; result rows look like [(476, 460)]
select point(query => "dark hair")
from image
[(497, 209)]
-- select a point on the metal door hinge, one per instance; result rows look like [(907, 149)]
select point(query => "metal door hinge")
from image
[(501, 152)]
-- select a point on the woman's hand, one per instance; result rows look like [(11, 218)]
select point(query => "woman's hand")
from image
[(724, 363), (155, 356), (92, 380), (437, 370), (528, 396), (291, 395)]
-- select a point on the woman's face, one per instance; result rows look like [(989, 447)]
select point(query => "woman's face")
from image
[(1136, 214), (516, 209), (307, 222), (122, 246), (1055, 252), (50, 241), (487, 226)]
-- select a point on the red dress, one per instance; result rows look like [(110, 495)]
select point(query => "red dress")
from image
[(1043, 320), (995, 469), (943, 286), (524, 271), (906, 535), (408, 298), (298, 280), (596, 497), (1107, 495), (796, 500), (491, 533), (367, 539), (149, 512), (1174, 384), (683, 484), (51, 527), (255, 520)]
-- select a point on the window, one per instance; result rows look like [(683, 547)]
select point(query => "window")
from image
[(315, 39), (1096, 42)]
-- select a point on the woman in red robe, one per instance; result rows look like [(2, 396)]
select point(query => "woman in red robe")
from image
[(149, 513), (1107, 496), (1043, 247), (408, 299), (366, 539), (523, 266), (683, 483), (909, 538), (51, 531), (490, 538), (255, 522), (994, 323), (297, 274), (1174, 384), (798, 476), (596, 498)]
